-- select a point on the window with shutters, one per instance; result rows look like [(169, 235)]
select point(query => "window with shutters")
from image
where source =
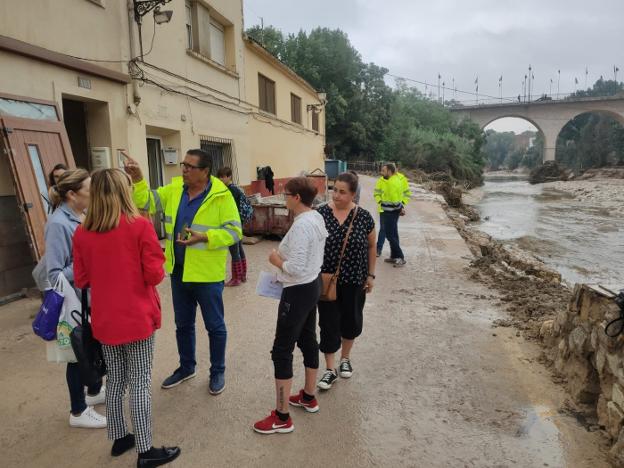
[(210, 36), (315, 120), (266, 89), (189, 26), (217, 42), (295, 108)]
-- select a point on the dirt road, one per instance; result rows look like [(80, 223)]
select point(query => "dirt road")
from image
[(434, 384)]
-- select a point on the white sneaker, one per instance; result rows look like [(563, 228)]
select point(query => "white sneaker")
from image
[(98, 399), (89, 419)]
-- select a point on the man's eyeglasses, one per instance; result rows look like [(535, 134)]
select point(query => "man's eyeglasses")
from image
[(188, 166)]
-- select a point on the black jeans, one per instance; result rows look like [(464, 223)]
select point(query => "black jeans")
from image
[(76, 388), (296, 323), (390, 223)]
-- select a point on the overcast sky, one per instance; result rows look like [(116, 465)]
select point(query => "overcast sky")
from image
[(464, 39)]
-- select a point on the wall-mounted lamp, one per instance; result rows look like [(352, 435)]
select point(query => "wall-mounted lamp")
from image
[(316, 108), (143, 7), (162, 16)]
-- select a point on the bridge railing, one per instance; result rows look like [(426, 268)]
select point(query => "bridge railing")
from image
[(506, 100)]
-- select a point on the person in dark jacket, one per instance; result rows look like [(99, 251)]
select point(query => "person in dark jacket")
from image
[(239, 261), (118, 256)]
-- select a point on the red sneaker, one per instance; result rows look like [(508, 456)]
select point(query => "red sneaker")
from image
[(272, 424), (309, 406)]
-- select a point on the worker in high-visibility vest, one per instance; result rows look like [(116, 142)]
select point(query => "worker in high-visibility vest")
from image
[(201, 222), (392, 194)]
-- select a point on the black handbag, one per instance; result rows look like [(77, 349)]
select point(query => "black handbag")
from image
[(87, 349)]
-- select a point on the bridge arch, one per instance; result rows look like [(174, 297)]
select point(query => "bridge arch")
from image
[(569, 154), (512, 141)]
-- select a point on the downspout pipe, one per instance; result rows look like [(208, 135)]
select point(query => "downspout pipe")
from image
[(136, 95)]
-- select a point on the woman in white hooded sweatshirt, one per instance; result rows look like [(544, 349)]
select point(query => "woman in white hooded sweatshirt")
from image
[(298, 259)]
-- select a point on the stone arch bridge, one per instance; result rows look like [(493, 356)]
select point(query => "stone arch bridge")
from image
[(549, 116)]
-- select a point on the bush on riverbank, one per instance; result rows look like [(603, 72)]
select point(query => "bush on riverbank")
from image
[(550, 171), (424, 135)]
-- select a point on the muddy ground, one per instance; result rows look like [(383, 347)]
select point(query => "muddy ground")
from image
[(435, 384)]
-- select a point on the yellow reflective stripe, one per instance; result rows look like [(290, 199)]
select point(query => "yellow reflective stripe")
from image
[(169, 236), (168, 219)]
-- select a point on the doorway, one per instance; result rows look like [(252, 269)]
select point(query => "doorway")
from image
[(75, 120)]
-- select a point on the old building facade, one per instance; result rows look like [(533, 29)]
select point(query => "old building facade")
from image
[(78, 81)]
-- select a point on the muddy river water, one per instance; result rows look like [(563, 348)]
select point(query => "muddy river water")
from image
[(584, 243)]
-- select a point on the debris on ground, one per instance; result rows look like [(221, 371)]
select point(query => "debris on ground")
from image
[(531, 291), (550, 171)]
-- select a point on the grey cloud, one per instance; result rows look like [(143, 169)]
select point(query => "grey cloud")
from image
[(461, 39)]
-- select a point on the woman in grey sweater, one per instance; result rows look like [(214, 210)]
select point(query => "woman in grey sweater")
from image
[(298, 260), (70, 198)]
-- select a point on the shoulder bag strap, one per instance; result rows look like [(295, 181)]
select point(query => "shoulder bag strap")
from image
[(85, 306), (344, 244)]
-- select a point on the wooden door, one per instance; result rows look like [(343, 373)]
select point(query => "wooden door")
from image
[(34, 147)]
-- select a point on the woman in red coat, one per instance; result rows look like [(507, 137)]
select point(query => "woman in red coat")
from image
[(117, 255)]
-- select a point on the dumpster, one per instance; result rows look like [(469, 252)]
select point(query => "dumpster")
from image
[(332, 168), (271, 217)]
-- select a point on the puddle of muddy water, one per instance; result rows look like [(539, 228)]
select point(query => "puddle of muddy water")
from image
[(539, 433)]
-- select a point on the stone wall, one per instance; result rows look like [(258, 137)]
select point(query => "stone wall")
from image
[(591, 362)]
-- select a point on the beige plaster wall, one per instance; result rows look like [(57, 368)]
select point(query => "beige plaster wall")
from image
[(81, 28), (276, 141), (231, 92)]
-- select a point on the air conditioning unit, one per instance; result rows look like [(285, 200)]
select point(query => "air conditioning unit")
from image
[(170, 155), (100, 158)]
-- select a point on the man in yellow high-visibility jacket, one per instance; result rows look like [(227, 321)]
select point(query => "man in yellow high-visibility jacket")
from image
[(392, 194), (201, 222)]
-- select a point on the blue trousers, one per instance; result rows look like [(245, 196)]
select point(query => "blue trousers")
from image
[(389, 227), (76, 388), (381, 236), (186, 297)]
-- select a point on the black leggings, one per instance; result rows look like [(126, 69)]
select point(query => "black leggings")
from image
[(296, 323)]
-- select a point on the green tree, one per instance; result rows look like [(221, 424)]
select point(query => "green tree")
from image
[(600, 88), (365, 118), (423, 134)]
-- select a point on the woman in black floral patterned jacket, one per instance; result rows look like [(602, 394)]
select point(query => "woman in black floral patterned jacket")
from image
[(341, 321)]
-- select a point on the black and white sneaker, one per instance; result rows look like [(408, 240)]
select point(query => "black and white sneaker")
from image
[(329, 377), (346, 370), (399, 262)]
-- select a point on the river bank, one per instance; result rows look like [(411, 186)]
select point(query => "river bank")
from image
[(533, 257)]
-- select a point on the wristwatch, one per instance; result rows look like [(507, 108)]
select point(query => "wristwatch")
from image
[(371, 275)]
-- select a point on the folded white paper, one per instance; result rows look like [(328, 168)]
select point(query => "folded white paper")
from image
[(268, 286)]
